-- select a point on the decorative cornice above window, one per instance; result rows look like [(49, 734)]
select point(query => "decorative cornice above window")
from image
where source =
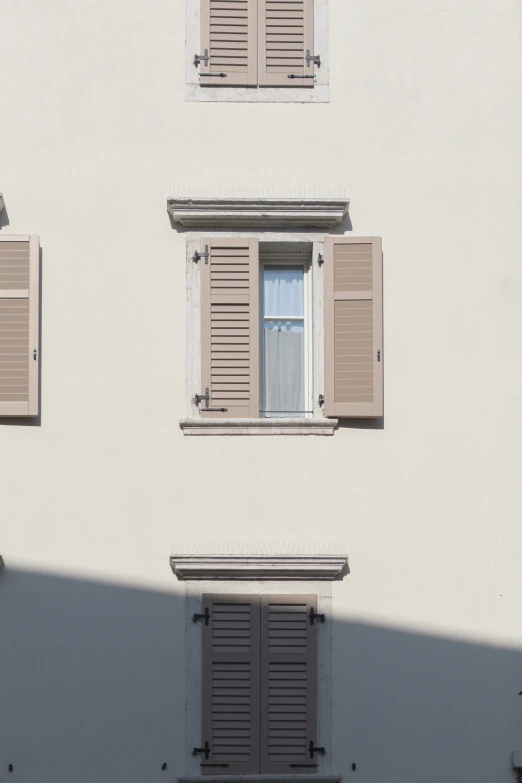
[(255, 208), (303, 563)]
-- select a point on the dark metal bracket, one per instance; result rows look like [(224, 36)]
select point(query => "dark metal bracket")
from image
[(216, 76), (198, 398), (198, 256), (205, 617), (314, 616), (320, 259), (201, 58), (300, 76), (378, 356), (310, 58), (321, 400), (312, 749), (204, 750)]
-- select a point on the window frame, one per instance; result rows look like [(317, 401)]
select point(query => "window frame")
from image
[(195, 589), (319, 93), (193, 423), (307, 330)]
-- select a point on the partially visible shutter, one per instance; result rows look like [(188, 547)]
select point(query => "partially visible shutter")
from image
[(288, 684), (19, 325), (230, 327), (286, 34), (229, 35), (231, 647), (353, 327)]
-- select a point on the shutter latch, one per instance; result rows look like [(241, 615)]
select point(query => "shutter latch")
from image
[(312, 749), (198, 256), (320, 259), (205, 616), (205, 751), (198, 398), (201, 58), (310, 58), (314, 616)]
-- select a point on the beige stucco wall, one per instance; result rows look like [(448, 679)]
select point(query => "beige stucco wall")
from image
[(424, 130)]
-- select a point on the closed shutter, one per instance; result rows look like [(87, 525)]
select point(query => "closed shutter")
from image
[(288, 684), (230, 327), (229, 36), (353, 327), (19, 325), (286, 34), (231, 650)]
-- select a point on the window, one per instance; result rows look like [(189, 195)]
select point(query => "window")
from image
[(289, 334), (250, 47), (285, 332), (259, 691)]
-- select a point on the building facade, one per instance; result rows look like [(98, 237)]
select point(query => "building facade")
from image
[(292, 229)]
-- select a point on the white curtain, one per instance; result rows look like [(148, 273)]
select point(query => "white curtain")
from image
[(283, 342)]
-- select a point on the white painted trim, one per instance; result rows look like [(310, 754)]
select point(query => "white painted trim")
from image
[(193, 668), (291, 426), (279, 567), (319, 93)]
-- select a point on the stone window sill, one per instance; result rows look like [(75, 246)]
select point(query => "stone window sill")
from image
[(313, 775), (258, 427)]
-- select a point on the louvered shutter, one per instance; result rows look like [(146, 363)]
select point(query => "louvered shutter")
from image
[(288, 684), (19, 325), (229, 35), (230, 327), (286, 34), (231, 710), (353, 327)]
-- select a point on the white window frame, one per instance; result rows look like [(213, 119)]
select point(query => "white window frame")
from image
[(316, 424), (319, 93), (307, 319)]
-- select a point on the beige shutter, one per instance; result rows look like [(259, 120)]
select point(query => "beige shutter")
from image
[(230, 327), (231, 710), (229, 36), (19, 325), (288, 684), (286, 34), (353, 327)]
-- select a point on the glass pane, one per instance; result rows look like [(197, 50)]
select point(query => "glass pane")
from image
[(283, 291), (284, 368)]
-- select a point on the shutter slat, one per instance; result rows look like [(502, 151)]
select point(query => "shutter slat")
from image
[(231, 709), (230, 331), (353, 327), (286, 32), (19, 325), (229, 34), (288, 682)]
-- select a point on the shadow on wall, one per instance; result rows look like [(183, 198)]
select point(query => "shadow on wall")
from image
[(93, 690)]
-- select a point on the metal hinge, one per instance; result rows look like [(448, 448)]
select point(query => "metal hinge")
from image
[(201, 58), (300, 76), (314, 616), (35, 354), (312, 749), (310, 58), (378, 356), (198, 256), (215, 76), (205, 616), (198, 398), (205, 750)]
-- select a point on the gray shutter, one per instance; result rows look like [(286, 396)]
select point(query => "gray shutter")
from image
[(288, 684), (19, 324), (353, 327), (231, 679), (230, 327)]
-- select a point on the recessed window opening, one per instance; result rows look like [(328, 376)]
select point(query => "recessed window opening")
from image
[(285, 329)]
